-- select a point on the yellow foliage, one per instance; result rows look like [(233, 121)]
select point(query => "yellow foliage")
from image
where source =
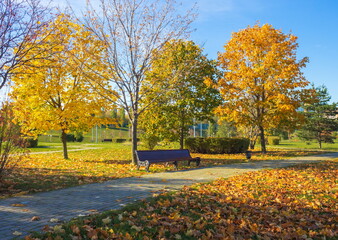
[(55, 91), (262, 80)]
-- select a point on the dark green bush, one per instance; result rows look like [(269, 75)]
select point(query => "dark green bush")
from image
[(217, 145), (70, 138), (78, 136), (275, 141), (31, 142), (119, 140)]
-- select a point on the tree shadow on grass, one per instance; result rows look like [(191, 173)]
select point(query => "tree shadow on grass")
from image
[(118, 162), (31, 180)]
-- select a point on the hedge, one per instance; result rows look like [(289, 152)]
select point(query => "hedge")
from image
[(31, 143), (119, 140), (217, 145), (273, 140)]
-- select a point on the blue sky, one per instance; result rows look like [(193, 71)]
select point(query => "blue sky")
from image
[(314, 22)]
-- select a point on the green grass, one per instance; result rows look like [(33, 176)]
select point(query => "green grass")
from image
[(297, 144)]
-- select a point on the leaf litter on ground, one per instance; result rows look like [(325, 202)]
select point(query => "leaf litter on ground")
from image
[(298, 202)]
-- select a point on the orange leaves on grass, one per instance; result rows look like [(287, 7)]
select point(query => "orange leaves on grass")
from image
[(292, 203)]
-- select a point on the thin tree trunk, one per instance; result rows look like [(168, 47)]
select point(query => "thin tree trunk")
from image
[(64, 143), (182, 130), (182, 138), (134, 139), (262, 136)]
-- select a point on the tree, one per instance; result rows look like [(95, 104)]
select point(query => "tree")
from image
[(12, 145), (262, 82), (132, 30), (19, 22), (53, 91), (179, 71), (321, 118)]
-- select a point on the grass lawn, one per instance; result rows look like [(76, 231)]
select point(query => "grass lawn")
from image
[(49, 171), (293, 203), (48, 146), (297, 144)]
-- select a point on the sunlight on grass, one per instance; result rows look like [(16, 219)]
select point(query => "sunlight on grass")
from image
[(44, 172), (295, 143)]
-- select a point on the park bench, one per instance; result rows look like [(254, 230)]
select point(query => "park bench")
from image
[(147, 157), (107, 140)]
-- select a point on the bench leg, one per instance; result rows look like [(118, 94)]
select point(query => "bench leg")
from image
[(198, 161), (147, 166), (189, 162), (176, 165)]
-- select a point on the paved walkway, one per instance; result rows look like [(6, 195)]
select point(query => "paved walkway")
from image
[(62, 205)]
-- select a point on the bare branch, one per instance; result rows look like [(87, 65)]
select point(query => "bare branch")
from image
[(20, 20)]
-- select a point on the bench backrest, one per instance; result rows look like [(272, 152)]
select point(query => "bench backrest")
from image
[(162, 155)]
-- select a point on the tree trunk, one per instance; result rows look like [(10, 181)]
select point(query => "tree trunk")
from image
[(182, 138), (182, 130), (64, 143), (134, 139), (262, 136), (252, 144)]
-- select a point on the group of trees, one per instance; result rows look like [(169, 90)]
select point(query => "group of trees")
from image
[(132, 55)]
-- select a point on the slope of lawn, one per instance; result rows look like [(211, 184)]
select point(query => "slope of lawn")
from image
[(299, 202)]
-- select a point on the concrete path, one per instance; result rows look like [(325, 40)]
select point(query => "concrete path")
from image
[(62, 205)]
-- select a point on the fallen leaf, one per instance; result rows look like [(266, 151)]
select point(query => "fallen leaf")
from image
[(58, 229), (106, 220), (35, 218), (18, 205), (75, 229), (17, 233), (136, 228), (54, 220)]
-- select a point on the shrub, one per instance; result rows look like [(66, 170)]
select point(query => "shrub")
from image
[(31, 143), (217, 145), (273, 140), (78, 136), (119, 140), (150, 141), (69, 138)]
